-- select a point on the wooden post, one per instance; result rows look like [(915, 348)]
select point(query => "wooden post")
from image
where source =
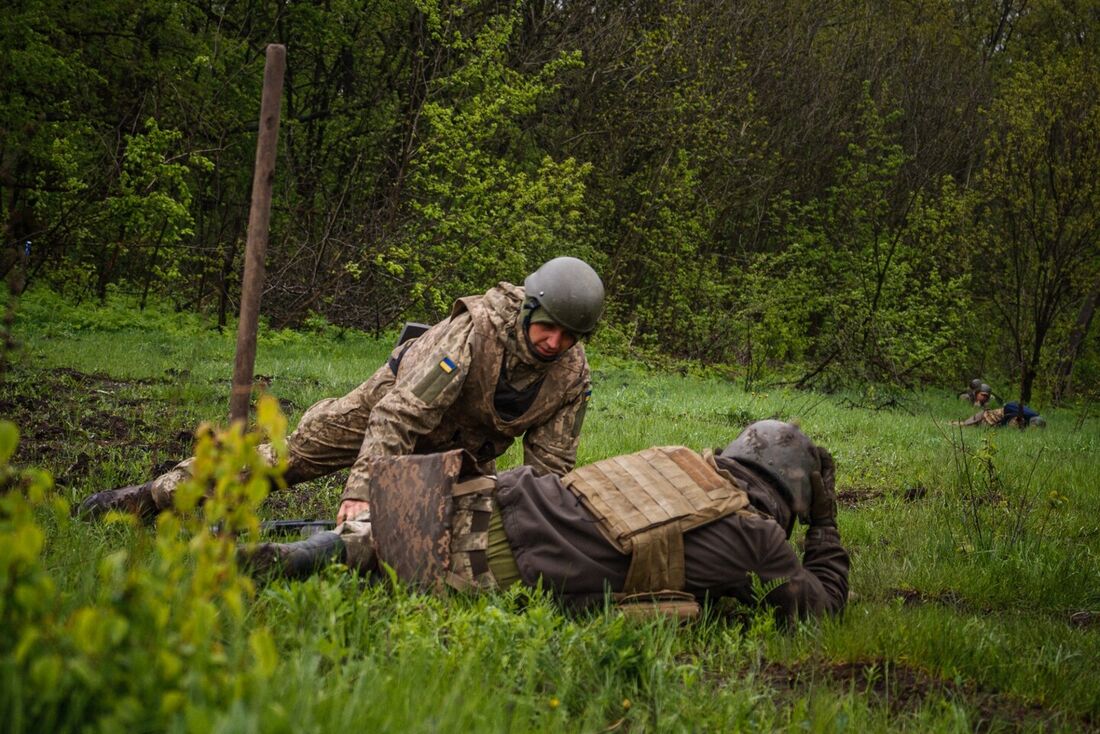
[(259, 219)]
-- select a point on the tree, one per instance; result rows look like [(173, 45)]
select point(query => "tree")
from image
[(1041, 222), (867, 289)]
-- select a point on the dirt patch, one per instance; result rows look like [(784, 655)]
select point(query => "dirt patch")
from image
[(915, 493), (106, 428), (914, 597), (904, 689), (67, 418), (100, 380), (71, 423), (315, 500), (1085, 619), (853, 497)]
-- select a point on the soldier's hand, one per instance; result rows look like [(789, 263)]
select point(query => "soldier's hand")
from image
[(350, 509), (823, 498)]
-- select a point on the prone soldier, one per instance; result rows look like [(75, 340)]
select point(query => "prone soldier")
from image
[(1011, 414), (667, 520)]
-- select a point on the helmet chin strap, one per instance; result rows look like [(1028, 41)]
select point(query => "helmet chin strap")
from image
[(529, 307)]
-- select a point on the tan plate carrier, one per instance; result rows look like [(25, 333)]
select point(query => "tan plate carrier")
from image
[(645, 502)]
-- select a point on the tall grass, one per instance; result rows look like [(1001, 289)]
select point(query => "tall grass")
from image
[(976, 591)]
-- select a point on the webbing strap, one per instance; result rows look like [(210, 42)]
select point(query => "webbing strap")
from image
[(469, 561), (474, 486), (657, 561)]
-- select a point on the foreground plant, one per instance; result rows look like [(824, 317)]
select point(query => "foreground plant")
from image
[(164, 631)]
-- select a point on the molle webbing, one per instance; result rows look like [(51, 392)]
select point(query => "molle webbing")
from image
[(469, 563), (645, 502)]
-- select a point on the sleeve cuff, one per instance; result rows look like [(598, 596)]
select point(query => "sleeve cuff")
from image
[(359, 493)]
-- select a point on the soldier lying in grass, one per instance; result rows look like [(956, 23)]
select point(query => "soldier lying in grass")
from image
[(1012, 414), (665, 519)]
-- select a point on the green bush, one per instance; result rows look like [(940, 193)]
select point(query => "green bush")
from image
[(165, 633)]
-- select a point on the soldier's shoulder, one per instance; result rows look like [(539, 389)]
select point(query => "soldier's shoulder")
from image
[(494, 311), (574, 364)]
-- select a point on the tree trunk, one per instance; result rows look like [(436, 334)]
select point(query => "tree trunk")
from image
[(1026, 384), (1076, 341), (223, 288)]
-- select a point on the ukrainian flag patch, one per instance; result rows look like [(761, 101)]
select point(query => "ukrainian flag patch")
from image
[(436, 379)]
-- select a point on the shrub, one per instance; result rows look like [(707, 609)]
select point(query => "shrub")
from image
[(151, 647)]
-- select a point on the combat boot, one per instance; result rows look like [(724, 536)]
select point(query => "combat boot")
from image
[(136, 499), (297, 560)]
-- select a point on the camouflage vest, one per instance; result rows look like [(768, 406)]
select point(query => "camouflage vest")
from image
[(473, 422), (645, 502)]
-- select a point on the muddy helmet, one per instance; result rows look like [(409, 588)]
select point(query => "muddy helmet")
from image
[(785, 454), (975, 384), (570, 291), (985, 388)]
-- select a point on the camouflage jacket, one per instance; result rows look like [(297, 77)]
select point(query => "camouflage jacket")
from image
[(437, 393)]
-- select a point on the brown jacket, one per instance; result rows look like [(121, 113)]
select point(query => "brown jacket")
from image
[(555, 540)]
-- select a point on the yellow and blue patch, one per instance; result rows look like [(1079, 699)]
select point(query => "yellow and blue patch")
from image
[(436, 379)]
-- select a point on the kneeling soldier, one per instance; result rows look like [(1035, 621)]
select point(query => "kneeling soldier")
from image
[(506, 364), (663, 520)]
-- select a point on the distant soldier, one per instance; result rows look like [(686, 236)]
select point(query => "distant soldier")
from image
[(503, 365), (1012, 414), (665, 521), (971, 394), (979, 394)]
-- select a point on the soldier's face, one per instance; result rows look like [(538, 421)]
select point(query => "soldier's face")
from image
[(550, 340)]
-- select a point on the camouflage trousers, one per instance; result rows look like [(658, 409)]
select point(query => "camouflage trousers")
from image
[(992, 417), (481, 557), (328, 438)]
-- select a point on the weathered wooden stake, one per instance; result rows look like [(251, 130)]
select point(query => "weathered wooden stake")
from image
[(259, 219)]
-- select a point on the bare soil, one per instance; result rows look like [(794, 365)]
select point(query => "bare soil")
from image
[(905, 689), (72, 422), (853, 497)]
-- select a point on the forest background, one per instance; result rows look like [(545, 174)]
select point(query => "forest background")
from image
[(896, 192)]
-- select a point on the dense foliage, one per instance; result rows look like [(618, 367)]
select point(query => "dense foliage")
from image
[(894, 190)]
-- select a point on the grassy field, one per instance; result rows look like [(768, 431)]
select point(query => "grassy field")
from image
[(976, 569)]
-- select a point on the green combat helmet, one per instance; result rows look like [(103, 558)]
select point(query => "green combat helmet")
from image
[(785, 454), (568, 290)]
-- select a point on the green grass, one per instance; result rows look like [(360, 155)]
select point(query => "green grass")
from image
[(976, 591)]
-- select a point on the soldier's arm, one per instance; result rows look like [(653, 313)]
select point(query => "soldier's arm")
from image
[(818, 584), (975, 420), (428, 381), (551, 447)]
